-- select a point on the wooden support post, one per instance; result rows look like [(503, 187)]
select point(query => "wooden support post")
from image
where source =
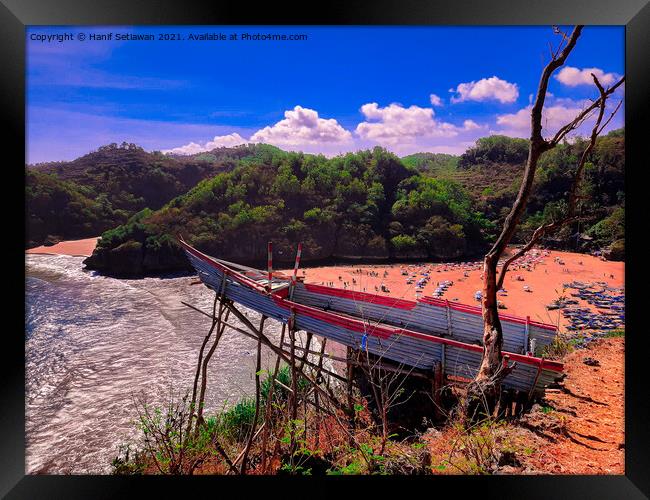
[(258, 367), (316, 397), (443, 361), (294, 276), (241, 317), (293, 396), (449, 329), (437, 389), (306, 350), (526, 335), (198, 366), (220, 325), (350, 377), (510, 399), (532, 387), (269, 403), (355, 363)]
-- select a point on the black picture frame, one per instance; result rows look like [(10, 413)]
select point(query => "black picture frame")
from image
[(15, 15)]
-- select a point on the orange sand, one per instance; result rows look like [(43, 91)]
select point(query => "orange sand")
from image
[(73, 247), (545, 279)]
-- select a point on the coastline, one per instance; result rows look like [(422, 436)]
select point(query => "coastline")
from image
[(75, 248), (542, 272)]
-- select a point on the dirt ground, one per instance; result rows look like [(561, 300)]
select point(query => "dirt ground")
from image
[(583, 431), (579, 427)]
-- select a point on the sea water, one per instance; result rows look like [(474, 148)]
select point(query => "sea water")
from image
[(94, 344)]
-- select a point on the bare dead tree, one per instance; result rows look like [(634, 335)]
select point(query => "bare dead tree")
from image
[(387, 386), (573, 196), (486, 385)]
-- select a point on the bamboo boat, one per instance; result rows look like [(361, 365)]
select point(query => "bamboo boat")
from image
[(423, 334)]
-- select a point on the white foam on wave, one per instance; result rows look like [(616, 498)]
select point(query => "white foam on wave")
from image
[(94, 343)]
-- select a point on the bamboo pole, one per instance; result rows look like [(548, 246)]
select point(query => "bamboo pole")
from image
[(350, 374), (306, 349), (198, 367), (359, 363), (258, 367), (293, 402), (294, 276), (316, 398), (204, 378), (287, 354), (241, 317), (269, 403)]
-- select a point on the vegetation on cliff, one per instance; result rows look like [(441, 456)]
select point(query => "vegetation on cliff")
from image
[(58, 209), (116, 181), (366, 204), (371, 204)]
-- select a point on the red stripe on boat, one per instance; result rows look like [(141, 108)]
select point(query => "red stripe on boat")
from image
[(409, 304), (385, 332), (477, 310), (361, 296)]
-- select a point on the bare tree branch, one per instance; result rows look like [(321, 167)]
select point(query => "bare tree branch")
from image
[(583, 115), (549, 227)]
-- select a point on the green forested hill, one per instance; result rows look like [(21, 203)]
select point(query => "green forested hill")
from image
[(231, 201), (366, 204), (435, 164), (492, 170), (121, 179), (65, 210)]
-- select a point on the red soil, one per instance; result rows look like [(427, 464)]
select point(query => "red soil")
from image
[(585, 429)]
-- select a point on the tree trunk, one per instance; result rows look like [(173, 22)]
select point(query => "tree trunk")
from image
[(483, 391)]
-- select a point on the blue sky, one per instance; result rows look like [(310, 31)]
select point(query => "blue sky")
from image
[(344, 88)]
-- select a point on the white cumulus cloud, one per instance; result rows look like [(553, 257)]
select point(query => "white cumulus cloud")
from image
[(471, 125), (435, 100), (219, 141), (556, 114), (492, 88), (396, 124), (302, 127), (573, 76)]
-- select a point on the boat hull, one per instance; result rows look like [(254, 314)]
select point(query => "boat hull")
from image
[(372, 329)]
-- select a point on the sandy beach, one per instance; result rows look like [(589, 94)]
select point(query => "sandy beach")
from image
[(532, 282), (542, 272), (82, 248)]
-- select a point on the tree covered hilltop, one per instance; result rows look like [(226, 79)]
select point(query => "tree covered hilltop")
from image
[(103, 189), (230, 201)]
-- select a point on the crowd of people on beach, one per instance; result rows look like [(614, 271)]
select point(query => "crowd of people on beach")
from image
[(419, 275), (587, 324), (590, 310)]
